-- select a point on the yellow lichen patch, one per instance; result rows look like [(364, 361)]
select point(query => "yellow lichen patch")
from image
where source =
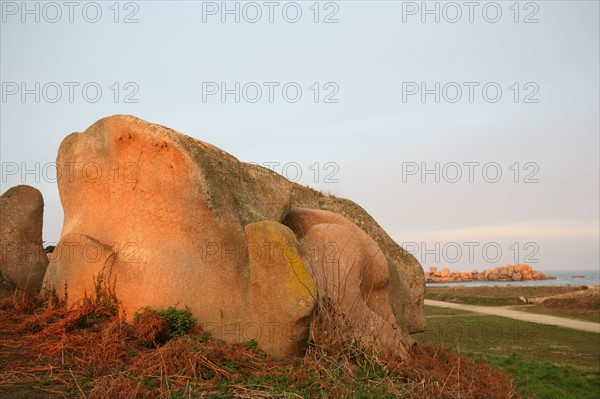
[(273, 254), (299, 284)]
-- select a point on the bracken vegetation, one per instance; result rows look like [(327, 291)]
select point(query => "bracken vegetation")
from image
[(89, 351)]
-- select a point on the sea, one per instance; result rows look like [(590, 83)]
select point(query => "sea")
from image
[(563, 277)]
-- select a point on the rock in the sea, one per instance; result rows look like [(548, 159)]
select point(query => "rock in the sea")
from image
[(539, 276), (173, 221), (519, 272), (23, 261)]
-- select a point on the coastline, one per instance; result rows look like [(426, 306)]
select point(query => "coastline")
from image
[(507, 273), (534, 283), (561, 277)]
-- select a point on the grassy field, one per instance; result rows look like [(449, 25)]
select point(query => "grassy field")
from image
[(592, 315), (544, 380), (472, 332), (548, 361), (587, 309), (48, 351), (495, 296)]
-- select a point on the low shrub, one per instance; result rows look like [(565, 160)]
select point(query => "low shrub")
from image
[(179, 321)]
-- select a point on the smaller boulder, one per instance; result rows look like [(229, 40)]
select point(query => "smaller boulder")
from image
[(23, 261)]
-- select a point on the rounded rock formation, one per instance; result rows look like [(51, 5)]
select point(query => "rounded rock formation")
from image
[(173, 221), (23, 261)]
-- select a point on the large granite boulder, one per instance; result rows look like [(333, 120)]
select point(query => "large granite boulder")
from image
[(173, 221), (23, 261)]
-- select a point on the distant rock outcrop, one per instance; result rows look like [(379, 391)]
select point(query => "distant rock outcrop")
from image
[(173, 221), (23, 261), (518, 272)]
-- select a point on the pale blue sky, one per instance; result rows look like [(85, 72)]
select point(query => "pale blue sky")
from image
[(369, 133)]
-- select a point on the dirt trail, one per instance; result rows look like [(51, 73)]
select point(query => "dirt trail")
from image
[(519, 315)]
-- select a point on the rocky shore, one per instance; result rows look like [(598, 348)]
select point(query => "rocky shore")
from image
[(518, 272)]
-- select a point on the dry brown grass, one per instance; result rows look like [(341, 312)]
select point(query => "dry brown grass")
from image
[(88, 351), (150, 329), (440, 373)]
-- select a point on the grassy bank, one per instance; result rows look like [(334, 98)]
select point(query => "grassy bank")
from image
[(49, 352), (550, 362), (495, 296), (586, 308), (576, 313)]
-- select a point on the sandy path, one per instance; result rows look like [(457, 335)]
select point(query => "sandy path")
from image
[(519, 315)]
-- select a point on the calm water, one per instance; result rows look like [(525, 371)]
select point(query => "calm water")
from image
[(563, 277)]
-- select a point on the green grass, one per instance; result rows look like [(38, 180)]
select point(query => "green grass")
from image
[(502, 336), (495, 296), (509, 296), (546, 361), (437, 311), (546, 380), (592, 315)]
